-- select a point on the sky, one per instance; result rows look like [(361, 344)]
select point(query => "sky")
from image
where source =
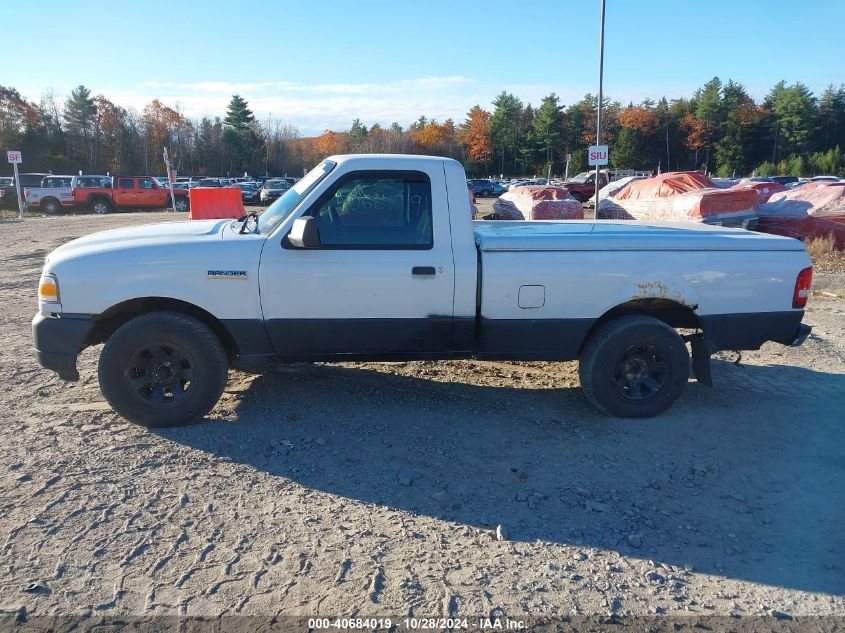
[(318, 65)]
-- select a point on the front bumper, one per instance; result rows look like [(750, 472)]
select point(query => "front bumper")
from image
[(58, 340)]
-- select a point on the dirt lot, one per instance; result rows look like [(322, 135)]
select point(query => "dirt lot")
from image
[(377, 488)]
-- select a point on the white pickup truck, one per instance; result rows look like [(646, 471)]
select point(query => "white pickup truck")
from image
[(375, 257), (53, 194)]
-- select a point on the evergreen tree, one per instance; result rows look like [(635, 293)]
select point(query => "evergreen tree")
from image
[(80, 121), (242, 143), (506, 132), (546, 134), (357, 136)]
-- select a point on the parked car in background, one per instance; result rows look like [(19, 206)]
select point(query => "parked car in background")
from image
[(498, 187), (481, 188), (272, 189), (784, 180), (32, 179), (53, 194), (125, 192), (8, 193), (583, 186), (249, 192), (209, 182), (520, 182)]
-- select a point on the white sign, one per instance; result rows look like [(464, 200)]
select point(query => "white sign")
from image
[(568, 157), (597, 155), (14, 157)]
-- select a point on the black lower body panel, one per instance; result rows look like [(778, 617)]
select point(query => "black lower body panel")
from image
[(751, 330), (533, 339), (363, 337), (58, 341)]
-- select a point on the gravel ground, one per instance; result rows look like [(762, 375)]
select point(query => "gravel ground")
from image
[(464, 488)]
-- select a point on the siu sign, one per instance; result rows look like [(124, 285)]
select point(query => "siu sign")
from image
[(597, 155)]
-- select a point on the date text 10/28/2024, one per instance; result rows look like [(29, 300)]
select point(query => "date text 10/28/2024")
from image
[(479, 624)]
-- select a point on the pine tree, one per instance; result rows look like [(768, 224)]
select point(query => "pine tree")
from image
[(546, 134), (80, 121), (238, 114), (505, 131)]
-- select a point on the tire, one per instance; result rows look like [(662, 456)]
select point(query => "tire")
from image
[(182, 205), (51, 206), (634, 367), (163, 369), (578, 197), (100, 206)]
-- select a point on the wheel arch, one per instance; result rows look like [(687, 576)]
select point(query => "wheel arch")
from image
[(673, 313), (111, 319)]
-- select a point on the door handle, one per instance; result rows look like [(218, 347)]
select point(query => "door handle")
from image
[(422, 270)]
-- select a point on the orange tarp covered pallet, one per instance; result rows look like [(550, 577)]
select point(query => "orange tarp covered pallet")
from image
[(208, 203)]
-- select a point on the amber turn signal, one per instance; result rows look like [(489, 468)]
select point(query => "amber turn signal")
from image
[(48, 289)]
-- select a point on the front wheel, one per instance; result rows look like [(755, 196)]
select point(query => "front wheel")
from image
[(162, 369), (181, 204), (634, 367)]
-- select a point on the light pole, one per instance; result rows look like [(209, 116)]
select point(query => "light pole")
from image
[(598, 116)]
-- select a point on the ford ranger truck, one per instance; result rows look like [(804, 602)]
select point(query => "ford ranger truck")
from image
[(375, 257)]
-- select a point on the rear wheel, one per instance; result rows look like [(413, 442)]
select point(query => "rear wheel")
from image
[(100, 206), (181, 204), (51, 206), (634, 367), (162, 369)]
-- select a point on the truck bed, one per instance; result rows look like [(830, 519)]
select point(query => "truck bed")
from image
[(616, 235)]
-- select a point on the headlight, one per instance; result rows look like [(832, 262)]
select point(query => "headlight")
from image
[(48, 289)]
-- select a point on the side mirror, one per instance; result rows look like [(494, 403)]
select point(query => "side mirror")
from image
[(304, 233)]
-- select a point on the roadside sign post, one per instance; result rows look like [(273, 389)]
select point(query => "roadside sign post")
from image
[(16, 158), (598, 117), (566, 174), (597, 155), (169, 179)]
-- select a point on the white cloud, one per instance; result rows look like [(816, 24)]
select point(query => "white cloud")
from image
[(319, 106)]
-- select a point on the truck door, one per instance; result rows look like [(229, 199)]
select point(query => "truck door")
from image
[(148, 194), (382, 281), (124, 192)]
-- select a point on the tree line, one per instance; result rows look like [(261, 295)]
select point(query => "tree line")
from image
[(719, 129)]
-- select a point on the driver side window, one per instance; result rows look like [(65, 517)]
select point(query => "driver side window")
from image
[(377, 210)]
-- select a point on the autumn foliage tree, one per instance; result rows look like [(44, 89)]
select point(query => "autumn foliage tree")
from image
[(719, 128), (475, 136)]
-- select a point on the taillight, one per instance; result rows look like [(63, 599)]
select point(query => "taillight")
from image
[(802, 288)]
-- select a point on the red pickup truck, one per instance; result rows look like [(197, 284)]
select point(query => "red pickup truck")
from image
[(102, 194), (583, 186)]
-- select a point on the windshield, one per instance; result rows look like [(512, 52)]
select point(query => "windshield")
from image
[(287, 202), (582, 177), (276, 184)]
